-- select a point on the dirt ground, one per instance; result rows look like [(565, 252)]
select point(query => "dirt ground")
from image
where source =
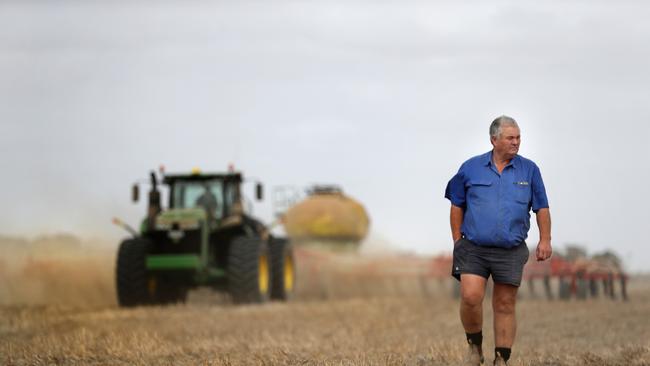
[(61, 310)]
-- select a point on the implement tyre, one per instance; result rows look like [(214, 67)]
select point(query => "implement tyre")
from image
[(248, 270), (131, 273), (283, 269), (564, 289)]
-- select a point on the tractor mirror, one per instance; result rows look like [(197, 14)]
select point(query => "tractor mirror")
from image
[(259, 191), (135, 193)]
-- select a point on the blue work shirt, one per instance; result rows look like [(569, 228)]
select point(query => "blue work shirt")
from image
[(497, 206)]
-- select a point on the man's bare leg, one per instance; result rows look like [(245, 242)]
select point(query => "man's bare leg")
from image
[(472, 291), (503, 304)]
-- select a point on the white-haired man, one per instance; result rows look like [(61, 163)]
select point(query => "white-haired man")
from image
[(491, 198)]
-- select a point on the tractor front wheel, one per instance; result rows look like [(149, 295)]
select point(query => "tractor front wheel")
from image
[(132, 282)]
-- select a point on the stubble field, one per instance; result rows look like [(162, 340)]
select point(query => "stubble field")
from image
[(63, 311)]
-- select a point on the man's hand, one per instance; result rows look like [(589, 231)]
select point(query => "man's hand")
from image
[(456, 220), (544, 250)]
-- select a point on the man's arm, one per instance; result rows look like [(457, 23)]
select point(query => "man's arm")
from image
[(456, 221), (544, 249)]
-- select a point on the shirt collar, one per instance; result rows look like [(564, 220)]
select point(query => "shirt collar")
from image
[(487, 160)]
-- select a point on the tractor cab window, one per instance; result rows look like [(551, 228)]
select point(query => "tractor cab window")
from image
[(231, 193), (206, 194)]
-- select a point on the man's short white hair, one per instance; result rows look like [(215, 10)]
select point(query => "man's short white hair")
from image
[(495, 127)]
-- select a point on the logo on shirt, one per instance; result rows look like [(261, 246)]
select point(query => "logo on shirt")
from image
[(522, 183)]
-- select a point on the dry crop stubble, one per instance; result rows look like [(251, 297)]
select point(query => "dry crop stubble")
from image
[(379, 331), (354, 320)]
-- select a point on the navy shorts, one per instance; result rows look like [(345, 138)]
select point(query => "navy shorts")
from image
[(506, 265)]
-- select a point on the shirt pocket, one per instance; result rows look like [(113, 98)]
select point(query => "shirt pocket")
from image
[(479, 183), (478, 189), (522, 193)]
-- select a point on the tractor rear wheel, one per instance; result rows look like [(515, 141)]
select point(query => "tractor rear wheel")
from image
[(132, 281), (248, 270), (283, 270)]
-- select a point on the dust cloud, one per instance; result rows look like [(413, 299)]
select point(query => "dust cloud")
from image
[(373, 270), (59, 269), (66, 270)]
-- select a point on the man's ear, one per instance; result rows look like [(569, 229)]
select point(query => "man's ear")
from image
[(492, 140)]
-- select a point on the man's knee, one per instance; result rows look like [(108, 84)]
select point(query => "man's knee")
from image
[(504, 307), (504, 303), (472, 297), (472, 290)]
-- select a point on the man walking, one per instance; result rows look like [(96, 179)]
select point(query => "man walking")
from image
[(491, 198)]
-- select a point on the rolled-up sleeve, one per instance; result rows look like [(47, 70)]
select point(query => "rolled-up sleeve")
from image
[(455, 191), (539, 191)]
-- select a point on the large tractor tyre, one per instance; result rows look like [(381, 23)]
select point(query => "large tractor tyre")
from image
[(283, 269), (132, 282), (248, 270)]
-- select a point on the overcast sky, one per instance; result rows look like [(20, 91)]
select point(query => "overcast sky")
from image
[(386, 98)]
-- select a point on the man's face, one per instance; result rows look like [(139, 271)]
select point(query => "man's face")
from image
[(507, 144)]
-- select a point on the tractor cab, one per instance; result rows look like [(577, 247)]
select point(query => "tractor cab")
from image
[(219, 195), (213, 197)]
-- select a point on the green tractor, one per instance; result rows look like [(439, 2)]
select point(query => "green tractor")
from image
[(204, 238)]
